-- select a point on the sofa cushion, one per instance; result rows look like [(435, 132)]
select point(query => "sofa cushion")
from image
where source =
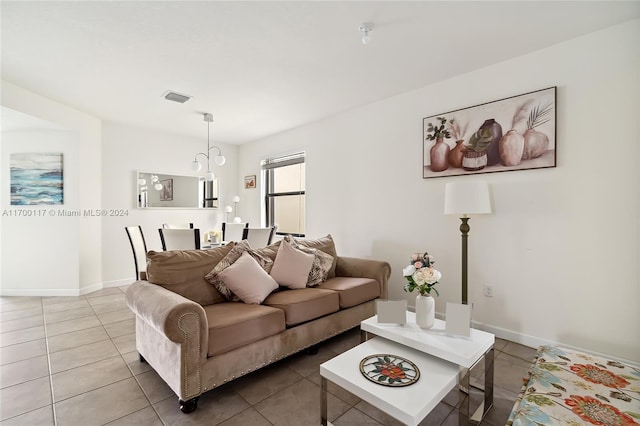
[(247, 280), (352, 291), (232, 325), (325, 244), (232, 256), (291, 267), (304, 304), (322, 263), (183, 271)]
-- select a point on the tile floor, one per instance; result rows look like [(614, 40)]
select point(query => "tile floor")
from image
[(72, 361)]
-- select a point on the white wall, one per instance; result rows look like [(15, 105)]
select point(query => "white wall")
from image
[(76, 255), (561, 249), (29, 231), (128, 149), (71, 240)]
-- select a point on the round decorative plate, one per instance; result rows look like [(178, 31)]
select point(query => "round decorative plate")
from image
[(389, 370)]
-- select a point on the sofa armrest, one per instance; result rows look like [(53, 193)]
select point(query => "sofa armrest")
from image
[(181, 320), (365, 268)]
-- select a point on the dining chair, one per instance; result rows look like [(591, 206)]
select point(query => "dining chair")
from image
[(139, 249), (234, 231), (260, 237), (177, 225), (180, 239)]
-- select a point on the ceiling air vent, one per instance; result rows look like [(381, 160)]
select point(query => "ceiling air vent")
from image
[(176, 97)]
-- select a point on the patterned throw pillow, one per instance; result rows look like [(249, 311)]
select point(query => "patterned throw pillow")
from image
[(321, 266), (234, 254), (324, 244)]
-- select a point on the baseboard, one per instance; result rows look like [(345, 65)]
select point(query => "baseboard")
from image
[(535, 342), (512, 336), (117, 283), (90, 289), (49, 292), (39, 292)]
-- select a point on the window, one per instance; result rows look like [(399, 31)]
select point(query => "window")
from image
[(284, 189)]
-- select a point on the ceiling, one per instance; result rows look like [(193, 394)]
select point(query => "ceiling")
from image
[(264, 67)]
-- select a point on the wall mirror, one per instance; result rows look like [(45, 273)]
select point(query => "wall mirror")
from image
[(157, 189)]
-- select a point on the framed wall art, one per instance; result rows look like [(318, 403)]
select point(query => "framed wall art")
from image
[(36, 179), (250, 182), (515, 133)]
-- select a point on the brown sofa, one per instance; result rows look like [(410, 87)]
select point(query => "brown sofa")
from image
[(196, 340)]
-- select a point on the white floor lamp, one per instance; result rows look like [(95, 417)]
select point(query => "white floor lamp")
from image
[(466, 198)]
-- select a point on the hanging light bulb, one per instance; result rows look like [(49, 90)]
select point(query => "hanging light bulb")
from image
[(218, 159), (142, 181), (155, 180), (237, 220)]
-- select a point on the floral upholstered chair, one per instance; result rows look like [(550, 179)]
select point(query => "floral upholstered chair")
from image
[(567, 387)]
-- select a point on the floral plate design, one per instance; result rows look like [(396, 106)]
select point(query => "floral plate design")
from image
[(389, 370)]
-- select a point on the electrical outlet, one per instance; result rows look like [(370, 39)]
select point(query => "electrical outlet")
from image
[(488, 291)]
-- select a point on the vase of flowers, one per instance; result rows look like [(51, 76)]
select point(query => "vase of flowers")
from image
[(422, 276)]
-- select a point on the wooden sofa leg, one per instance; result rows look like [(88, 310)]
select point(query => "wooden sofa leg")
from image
[(189, 406), (141, 358)]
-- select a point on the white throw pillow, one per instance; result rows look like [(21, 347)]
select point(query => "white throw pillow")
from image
[(247, 280), (291, 266)]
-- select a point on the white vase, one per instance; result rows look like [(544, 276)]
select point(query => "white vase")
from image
[(425, 311)]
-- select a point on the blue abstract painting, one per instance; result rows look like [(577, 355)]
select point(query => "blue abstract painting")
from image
[(36, 179)]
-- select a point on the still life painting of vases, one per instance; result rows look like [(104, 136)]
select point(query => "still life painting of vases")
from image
[(515, 133)]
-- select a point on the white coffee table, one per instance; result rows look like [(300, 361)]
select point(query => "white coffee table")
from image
[(465, 352), (409, 404)]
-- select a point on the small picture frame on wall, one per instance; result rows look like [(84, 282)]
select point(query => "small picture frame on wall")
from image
[(250, 182)]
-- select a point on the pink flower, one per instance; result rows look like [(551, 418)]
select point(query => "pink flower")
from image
[(420, 274), (428, 276)]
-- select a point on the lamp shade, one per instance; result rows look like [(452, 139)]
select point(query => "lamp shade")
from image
[(236, 199), (228, 209), (464, 198)]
